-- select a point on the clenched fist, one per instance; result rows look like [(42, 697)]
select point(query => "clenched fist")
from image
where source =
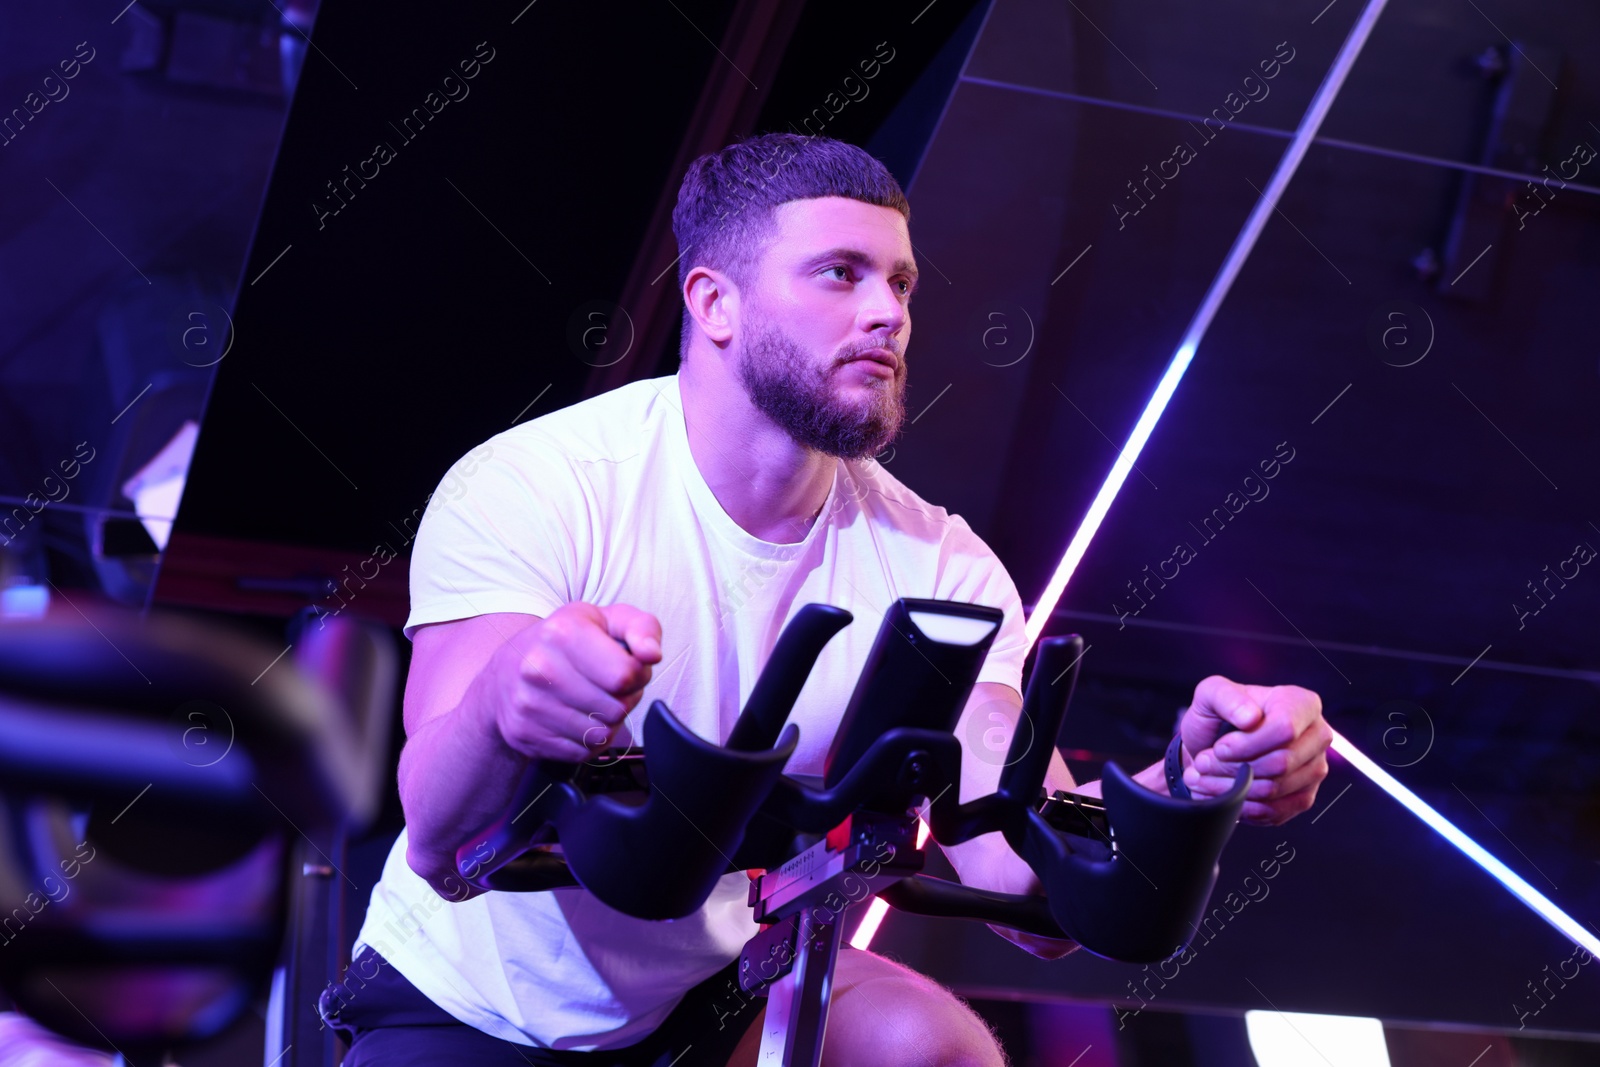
[(563, 686), (1280, 733)]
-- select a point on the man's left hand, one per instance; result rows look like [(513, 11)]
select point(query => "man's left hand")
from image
[(1280, 733)]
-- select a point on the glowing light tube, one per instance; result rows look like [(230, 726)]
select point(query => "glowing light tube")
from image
[(1157, 404), (869, 923), (1242, 246), (1542, 905), (1284, 1039), (877, 909)]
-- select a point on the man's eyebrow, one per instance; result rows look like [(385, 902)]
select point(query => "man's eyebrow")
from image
[(858, 258)]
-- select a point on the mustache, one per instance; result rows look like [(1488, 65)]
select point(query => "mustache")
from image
[(888, 345)]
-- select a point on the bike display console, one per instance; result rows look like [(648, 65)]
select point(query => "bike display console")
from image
[(1126, 877)]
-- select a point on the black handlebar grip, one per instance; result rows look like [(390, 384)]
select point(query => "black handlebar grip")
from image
[(785, 674), (1043, 709)]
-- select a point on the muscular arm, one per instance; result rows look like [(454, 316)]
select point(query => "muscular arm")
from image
[(488, 693), (1280, 733), (456, 773)]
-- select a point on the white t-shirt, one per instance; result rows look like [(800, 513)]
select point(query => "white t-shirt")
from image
[(602, 502)]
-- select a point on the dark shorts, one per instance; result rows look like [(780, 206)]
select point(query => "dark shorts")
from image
[(391, 1024)]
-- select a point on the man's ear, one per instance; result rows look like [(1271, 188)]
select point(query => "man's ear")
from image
[(713, 303)]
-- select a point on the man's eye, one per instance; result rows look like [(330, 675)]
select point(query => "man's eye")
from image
[(844, 272)]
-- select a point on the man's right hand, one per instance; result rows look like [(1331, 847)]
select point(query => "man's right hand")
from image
[(487, 693), (561, 688)]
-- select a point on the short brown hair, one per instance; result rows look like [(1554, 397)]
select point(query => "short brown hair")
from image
[(723, 218)]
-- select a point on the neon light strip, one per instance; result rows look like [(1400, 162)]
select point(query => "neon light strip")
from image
[(869, 923), (1108, 491), (1242, 246), (1220, 285), (1541, 904), (878, 909)]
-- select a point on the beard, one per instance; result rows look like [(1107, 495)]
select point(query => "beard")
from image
[(786, 387)]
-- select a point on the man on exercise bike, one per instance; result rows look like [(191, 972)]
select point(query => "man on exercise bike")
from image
[(690, 516)]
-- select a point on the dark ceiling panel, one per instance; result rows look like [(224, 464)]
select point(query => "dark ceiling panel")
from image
[(1414, 492)]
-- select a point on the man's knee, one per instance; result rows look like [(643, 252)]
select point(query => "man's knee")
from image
[(883, 1013)]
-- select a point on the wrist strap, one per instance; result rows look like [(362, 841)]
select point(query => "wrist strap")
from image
[(1174, 762), (1174, 767)]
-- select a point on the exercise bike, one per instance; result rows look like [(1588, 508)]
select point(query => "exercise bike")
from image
[(1126, 876)]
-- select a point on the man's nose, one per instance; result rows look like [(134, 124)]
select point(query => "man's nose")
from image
[(882, 309)]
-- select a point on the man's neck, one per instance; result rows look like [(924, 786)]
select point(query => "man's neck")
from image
[(769, 484)]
